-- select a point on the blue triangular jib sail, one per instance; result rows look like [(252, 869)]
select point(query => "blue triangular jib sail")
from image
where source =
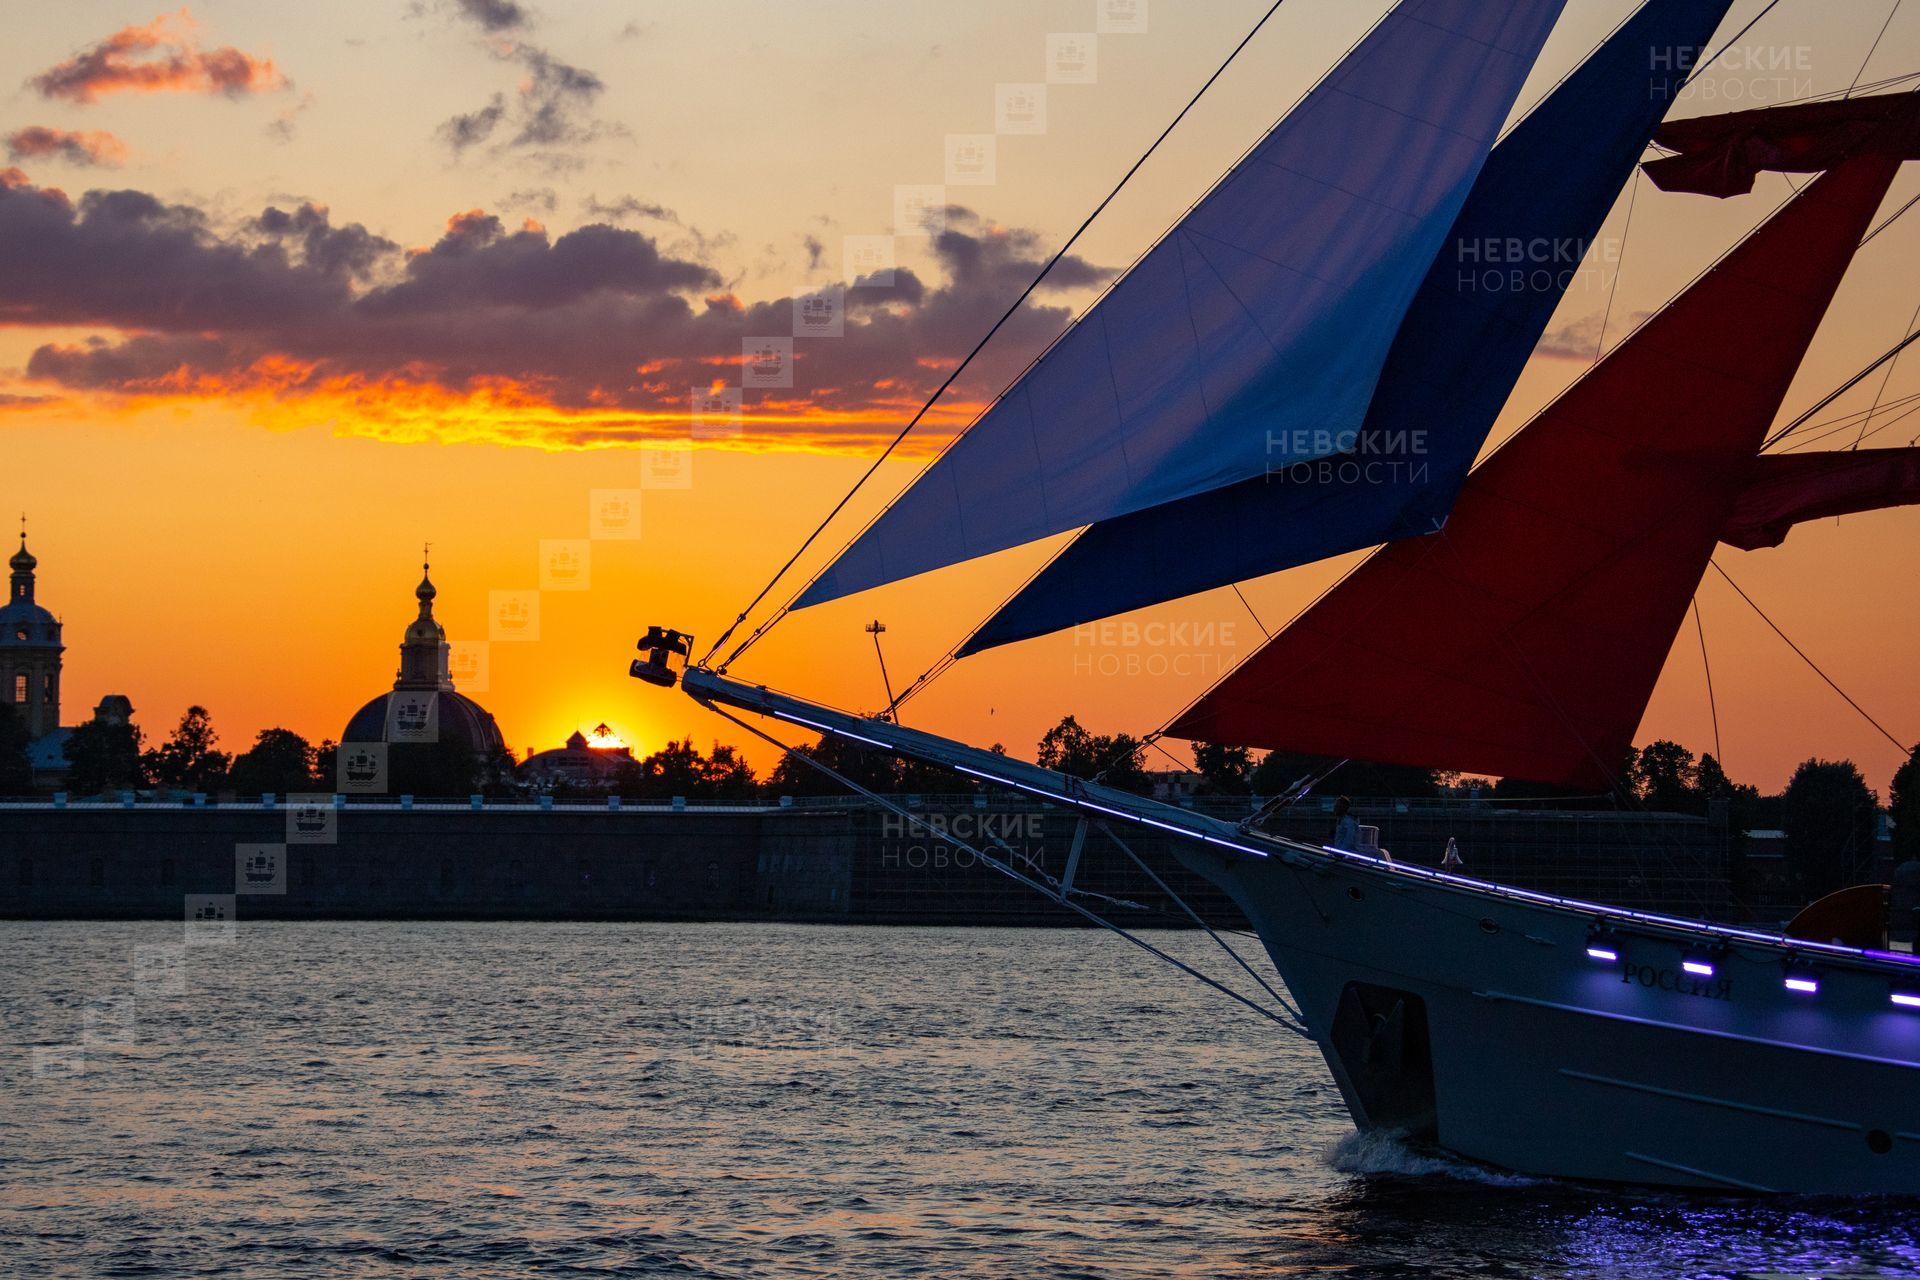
[(1251, 336), (1520, 240)]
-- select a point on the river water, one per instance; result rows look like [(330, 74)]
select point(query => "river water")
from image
[(401, 1099)]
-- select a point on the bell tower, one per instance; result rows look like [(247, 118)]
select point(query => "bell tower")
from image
[(424, 650), (30, 648)]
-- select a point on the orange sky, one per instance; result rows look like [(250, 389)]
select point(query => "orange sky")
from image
[(252, 543)]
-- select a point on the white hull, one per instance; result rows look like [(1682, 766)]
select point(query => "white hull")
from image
[(1472, 1016), (1544, 1060)]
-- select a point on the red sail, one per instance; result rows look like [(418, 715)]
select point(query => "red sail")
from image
[(1791, 488), (1525, 638), (1721, 155)]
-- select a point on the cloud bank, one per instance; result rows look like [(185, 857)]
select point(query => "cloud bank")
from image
[(511, 334)]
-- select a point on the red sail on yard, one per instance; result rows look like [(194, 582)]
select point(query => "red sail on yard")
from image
[(1792, 488), (1721, 155), (1525, 638)]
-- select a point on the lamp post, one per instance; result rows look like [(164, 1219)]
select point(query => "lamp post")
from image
[(876, 629)]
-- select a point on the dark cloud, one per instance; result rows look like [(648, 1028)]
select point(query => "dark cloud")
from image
[(495, 15), (599, 319), (125, 260), (351, 251), (551, 106), (478, 263), (160, 57), (989, 257), (629, 207), (89, 149), (474, 127), (545, 199)]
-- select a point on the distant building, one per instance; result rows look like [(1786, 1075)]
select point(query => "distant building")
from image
[(30, 650), (582, 761), (30, 661), (423, 708)]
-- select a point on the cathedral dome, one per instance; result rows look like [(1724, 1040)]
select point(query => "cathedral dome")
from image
[(23, 621), (424, 709), (453, 717)]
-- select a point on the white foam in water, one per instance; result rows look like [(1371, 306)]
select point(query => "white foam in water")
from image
[(1386, 1154)]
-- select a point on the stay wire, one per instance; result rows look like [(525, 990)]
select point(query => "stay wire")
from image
[(1736, 38), (1840, 390), (1282, 1019), (1802, 654), (1712, 704), (969, 358), (1872, 48), (1619, 267), (1814, 432), (1885, 379)]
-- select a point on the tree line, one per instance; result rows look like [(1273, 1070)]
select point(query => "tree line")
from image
[(1828, 811)]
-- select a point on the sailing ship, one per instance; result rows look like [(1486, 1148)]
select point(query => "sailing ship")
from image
[(1316, 307)]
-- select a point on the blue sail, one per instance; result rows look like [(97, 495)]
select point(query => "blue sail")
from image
[(1542, 196), (1264, 315)]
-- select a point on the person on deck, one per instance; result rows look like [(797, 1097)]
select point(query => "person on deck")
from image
[(1346, 831), (1451, 859)]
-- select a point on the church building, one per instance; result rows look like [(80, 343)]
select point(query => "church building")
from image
[(423, 718)]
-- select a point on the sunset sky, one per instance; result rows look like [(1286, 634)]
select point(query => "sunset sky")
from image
[(288, 290)]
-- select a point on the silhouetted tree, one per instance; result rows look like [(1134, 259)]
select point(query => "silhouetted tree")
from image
[(1829, 821), (1223, 770), (728, 778), (1354, 778), (1711, 783), (1116, 759), (103, 757), (1666, 778), (326, 763), (678, 769), (187, 761), (280, 761), (875, 770), (16, 770), (1903, 804)]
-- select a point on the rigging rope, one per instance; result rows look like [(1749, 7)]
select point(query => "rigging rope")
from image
[(1873, 47), (1289, 1019), (1736, 38), (1250, 613), (1619, 266), (1809, 661), (1712, 704), (969, 358), (1840, 390), (1831, 427), (1881, 393)]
